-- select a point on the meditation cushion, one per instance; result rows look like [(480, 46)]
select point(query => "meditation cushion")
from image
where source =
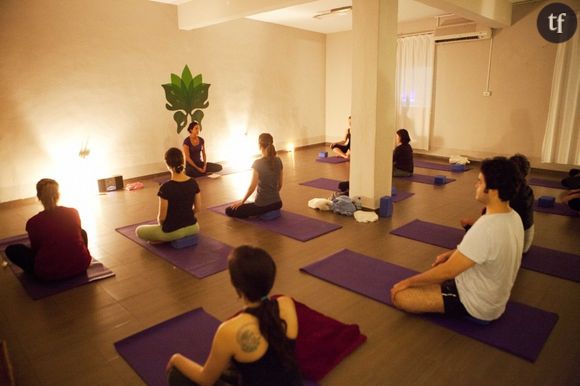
[(271, 215), (546, 201), (440, 180), (187, 241)]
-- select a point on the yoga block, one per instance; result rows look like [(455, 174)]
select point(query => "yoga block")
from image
[(546, 201), (188, 241), (386, 207), (271, 215), (110, 184), (393, 191), (440, 180), (457, 168), (323, 154)]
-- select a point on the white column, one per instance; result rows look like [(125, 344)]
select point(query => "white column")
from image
[(374, 26)]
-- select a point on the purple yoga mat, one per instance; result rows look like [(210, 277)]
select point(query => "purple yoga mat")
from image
[(289, 224), (332, 160), (545, 183), (322, 183), (190, 334), (437, 166), (209, 256), (558, 208), (38, 289), (400, 196), (425, 179), (522, 330), (551, 262)]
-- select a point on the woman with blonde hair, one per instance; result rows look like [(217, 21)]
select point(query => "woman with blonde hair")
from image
[(58, 245), (267, 178)]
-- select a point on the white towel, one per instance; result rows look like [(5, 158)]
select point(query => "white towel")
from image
[(363, 216), (320, 203)]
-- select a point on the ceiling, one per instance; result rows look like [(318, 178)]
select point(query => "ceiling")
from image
[(301, 16)]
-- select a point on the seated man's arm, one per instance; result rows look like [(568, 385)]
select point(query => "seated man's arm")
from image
[(456, 264)]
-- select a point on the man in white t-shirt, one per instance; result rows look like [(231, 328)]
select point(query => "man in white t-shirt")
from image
[(475, 279)]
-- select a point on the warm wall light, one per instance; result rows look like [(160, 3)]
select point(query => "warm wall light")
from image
[(290, 147)]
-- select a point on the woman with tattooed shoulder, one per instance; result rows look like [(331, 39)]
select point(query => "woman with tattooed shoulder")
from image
[(257, 345)]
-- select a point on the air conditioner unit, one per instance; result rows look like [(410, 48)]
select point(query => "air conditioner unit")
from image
[(451, 28)]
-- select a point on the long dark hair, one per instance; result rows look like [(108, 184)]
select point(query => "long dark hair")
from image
[(252, 272), (174, 159), (266, 141)]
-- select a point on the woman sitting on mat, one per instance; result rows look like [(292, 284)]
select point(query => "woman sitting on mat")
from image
[(58, 245), (179, 200), (258, 342), (342, 148), (267, 177), (403, 155), (194, 150)]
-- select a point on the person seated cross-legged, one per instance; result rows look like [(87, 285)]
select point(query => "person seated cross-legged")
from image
[(474, 280)]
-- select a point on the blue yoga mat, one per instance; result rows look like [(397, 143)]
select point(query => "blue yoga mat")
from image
[(289, 224), (522, 330), (539, 259), (38, 289), (209, 256)]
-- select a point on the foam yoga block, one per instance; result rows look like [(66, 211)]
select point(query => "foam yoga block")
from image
[(546, 201), (187, 241), (457, 168), (323, 154), (386, 207), (271, 215), (440, 180), (393, 191)]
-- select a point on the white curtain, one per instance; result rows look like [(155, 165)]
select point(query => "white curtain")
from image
[(415, 57), (562, 137)]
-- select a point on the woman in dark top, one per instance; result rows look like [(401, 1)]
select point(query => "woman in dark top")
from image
[(58, 246), (194, 149), (403, 155), (267, 177), (179, 200), (571, 197), (258, 342), (342, 148)]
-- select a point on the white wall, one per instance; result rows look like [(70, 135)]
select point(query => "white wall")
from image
[(89, 72), (465, 122), (339, 84)]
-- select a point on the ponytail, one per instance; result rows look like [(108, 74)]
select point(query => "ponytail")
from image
[(252, 272), (174, 159), (273, 329), (267, 142)]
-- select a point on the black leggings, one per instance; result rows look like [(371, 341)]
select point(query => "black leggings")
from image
[(251, 209), (23, 256), (210, 167)]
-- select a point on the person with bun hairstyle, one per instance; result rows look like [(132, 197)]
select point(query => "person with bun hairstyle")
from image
[(258, 343), (342, 148), (403, 155), (194, 149), (267, 177), (58, 245), (179, 200)]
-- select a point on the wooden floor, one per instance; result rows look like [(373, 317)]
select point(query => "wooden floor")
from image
[(68, 339)]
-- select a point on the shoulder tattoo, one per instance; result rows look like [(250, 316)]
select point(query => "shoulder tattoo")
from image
[(247, 338)]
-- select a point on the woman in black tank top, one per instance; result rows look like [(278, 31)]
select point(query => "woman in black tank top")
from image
[(257, 343)]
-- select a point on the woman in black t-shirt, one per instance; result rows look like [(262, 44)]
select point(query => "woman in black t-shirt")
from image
[(179, 200)]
